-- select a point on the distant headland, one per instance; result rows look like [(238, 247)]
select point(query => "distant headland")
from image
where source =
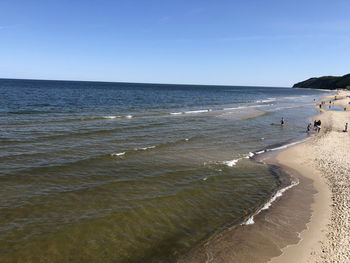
[(326, 82)]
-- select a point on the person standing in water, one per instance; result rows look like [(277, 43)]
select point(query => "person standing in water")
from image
[(282, 121), (308, 127)]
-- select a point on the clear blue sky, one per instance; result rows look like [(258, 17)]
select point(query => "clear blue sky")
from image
[(251, 42)]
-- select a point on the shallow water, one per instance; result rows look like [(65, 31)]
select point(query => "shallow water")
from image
[(119, 172)]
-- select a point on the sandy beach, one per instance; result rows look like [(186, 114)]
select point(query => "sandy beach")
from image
[(325, 159)]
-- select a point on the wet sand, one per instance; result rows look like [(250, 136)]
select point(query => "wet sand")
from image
[(310, 221), (272, 230)]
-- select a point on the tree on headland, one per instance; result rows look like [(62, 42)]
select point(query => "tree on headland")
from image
[(326, 82)]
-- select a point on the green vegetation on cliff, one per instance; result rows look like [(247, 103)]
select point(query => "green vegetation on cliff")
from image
[(327, 82)]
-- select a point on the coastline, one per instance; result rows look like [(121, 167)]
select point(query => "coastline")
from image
[(294, 158), (323, 159), (296, 227), (276, 224)]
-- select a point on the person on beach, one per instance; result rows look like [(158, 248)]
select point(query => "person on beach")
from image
[(282, 121), (308, 127), (315, 125), (346, 128), (318, 126)]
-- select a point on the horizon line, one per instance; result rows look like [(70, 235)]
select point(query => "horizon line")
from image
[(147, 83)]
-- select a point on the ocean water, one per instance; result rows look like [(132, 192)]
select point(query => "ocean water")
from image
[(122, 172)]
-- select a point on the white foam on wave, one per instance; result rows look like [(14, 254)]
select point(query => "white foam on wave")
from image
[(146, 148), (250, 221), (260, 152), (110, 117), (231, 163), (235, 108), (190, 112), (118, 154), (285, 146), (197, 111), (279, 194), (249, 155), (267, 205), (267, 100), (235, 161), (118, 117)]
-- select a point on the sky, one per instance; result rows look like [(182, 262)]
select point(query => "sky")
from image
[(251, 42)]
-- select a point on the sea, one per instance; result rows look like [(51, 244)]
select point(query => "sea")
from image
[(128, 172)]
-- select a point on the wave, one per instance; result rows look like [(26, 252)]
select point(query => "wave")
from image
[(146, 148), (136, 150), (121, 154), (20, 112), (129, 116), (197, 111), (235, 161), (75, 118), (280, 192), (284, 146), (250, 155), (248, 106), (118, 154), (190, 112), (118, 117), (97, 158), (266, 100), (96, 118), (231, 163), (267, 205), (85, 132)]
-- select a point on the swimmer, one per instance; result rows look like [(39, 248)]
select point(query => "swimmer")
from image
[(282, 121)]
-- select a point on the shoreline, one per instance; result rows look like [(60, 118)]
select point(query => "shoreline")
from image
[(319, 243), (293, 159), (263, 234), (306, 207)]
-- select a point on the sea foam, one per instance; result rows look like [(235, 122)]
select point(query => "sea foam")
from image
[(267, 205), (235, 161), (118, 154), (231, 163)]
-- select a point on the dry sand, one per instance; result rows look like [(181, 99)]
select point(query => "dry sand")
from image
[(326, 159)]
